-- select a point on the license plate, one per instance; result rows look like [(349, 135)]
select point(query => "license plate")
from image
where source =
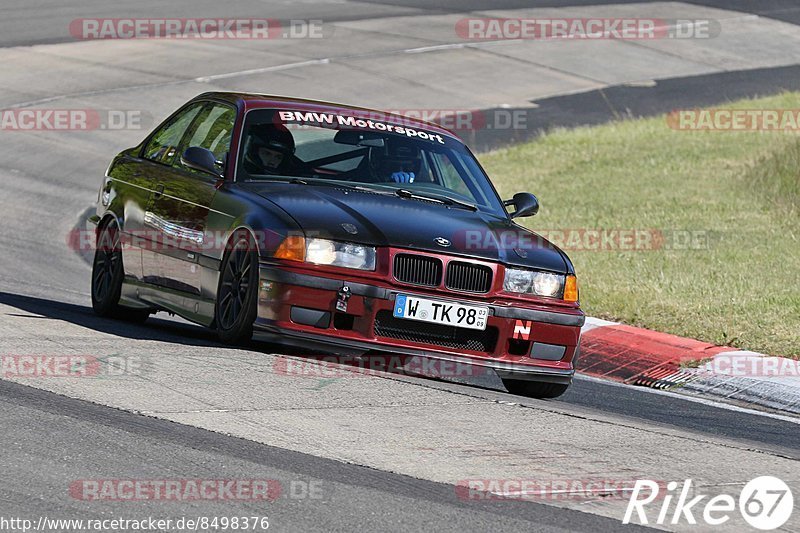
[(439, 312)]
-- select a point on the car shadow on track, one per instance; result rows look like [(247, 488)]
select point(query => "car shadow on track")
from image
[(172, 330), (157, 329), (177, 331)]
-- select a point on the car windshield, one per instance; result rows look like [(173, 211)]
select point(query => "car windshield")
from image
[(358, 150)]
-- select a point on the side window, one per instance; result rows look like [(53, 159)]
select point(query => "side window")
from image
[(163, 145), (212, 130)]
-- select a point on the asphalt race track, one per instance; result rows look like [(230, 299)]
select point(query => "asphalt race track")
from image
[(384, 452)]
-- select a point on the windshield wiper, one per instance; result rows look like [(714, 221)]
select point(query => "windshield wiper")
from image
[(337, 184), (445, 200), (402, 193)]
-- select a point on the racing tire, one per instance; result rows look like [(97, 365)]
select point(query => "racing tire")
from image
[(237, 303), (535, 389), (107, 276)]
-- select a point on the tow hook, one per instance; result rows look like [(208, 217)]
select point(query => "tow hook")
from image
[(341, 301)]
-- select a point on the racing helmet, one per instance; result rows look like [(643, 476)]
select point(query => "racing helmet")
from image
[(396, 156), (263, 141)]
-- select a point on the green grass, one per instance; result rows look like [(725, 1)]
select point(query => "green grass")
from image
[(742, 189)]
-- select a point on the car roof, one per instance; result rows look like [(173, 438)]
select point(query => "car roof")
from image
[(267, 101)]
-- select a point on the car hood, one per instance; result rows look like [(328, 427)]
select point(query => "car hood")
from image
[(381, 220)]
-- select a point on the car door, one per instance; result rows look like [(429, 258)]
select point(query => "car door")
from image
[(155, 165), (183, 199)]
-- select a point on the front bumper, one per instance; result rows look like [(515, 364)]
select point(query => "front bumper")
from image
[(299, 309)]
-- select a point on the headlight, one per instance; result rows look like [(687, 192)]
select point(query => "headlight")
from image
[(325, 252), (532, 282), (341, 254)]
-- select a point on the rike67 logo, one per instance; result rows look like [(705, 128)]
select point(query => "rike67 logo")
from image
[(765, 503)]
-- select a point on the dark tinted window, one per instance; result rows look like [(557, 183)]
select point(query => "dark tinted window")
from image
[(163, 145), (212, 130)]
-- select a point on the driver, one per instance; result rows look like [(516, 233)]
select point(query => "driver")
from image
[(269, 150), (399, 163)]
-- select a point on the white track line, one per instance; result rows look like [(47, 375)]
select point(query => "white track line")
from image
[(276, 68)]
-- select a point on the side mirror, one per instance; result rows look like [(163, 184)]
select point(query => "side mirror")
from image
[(201, 159), (525, 204)]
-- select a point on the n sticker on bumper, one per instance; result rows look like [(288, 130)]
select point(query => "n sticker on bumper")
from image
[(522, 330)]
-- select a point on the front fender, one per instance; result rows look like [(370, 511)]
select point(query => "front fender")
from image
[(234, 209)]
